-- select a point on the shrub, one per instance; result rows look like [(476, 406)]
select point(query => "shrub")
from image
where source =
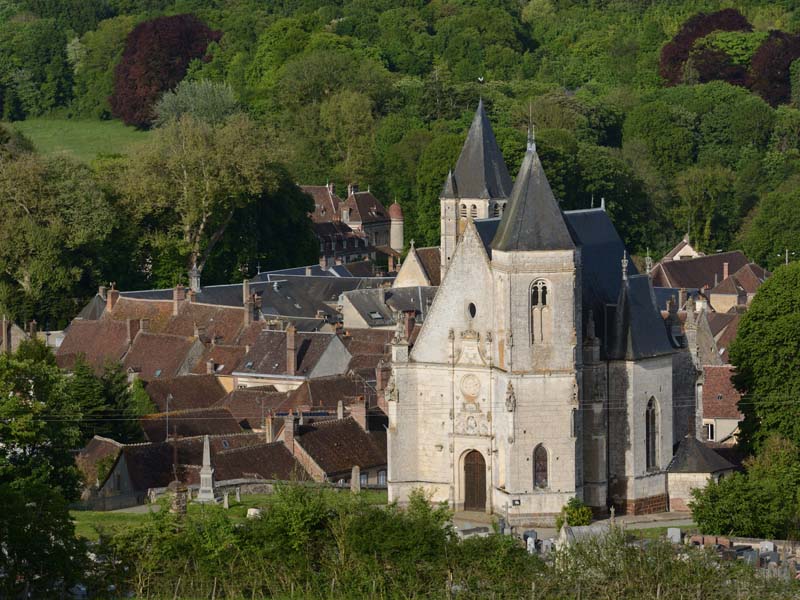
[(574, 513)]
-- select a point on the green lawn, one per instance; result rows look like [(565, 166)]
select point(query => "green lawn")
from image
[(88, 522), (81, 139)]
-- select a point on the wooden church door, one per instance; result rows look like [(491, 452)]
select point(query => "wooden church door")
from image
[(474, 481)]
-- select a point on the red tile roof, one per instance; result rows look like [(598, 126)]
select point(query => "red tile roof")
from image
[(727, 336), (326, 202), (268, 354), (431, 262), (190, 423), (250, 406), (188, 392), (157, 312), (156, 356), (97, 341), (96, 450), (265, 461), (337, 446), (326, 392), (720, 397), (696, 273), (366, 208), (225, 359)]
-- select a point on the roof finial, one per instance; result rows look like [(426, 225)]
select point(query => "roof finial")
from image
[(624, 265), (602, 203), (412, 243), (531, 138)]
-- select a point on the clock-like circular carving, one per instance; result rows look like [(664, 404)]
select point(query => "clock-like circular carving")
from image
[(470, 386)]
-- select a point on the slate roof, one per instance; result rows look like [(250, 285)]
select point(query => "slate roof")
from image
[(97, 341), (639, 330), (250, 405), (480, 170), (265, 461), (377, 307), (326, 202), (156, 356), (365, 208), (431, 261), (664, 294), (697, 272), (532, 219), (267, 356), (338, 445), (693, 456), (720, 396), (188, 392), (190, 423)]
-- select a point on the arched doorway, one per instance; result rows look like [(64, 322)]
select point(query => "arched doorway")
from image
[(474, 481)]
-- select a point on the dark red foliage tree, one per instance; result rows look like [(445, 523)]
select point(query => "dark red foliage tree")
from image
[(675, 53), (714, 65), (769, 67), (157, 54)]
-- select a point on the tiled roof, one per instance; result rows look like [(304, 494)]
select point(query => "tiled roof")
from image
[(98, 341), (719, 321), (746, 280), (265, 461), (156, 356), (366, 208), (336, 446), (219, 323), (189, 423), (700, 272), (326, 392), (326, 202), (268, 354), (720, 397), (727, 336), (96, 450), (225, 358), (157, 312), (250, 405), (188, 392), (368, 347), (431, 261)]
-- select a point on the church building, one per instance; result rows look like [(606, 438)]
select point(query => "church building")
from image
[(543, 369)]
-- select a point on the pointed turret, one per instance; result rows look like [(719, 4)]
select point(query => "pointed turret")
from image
[(450, 189), (532, 219), (481, 171)]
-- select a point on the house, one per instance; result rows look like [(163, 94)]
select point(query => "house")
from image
[(185, 393), (692, 467), (287, 358), (721, 414), (682, 251), (702, 272), (379, 308), (544, 369), (738, 289)]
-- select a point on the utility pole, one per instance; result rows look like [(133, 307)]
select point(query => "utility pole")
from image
[(166, 434)]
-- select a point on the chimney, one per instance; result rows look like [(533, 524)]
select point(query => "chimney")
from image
[(289, 430), (5, 337), (269, 431), (681, 298), (291, 350), (111, 298), (724, 270), (352, 189), (101, 291), (246, 292), (410, 322), (247, 302), (32, 329), (340, 410), (133, 328), (178, 296), (211, 366), (358, 410)]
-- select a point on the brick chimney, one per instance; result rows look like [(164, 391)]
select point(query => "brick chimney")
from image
[(358, 410), (178, 296), (211, 366), (291, 350), (289, 430), (724, 270), (111, 298)]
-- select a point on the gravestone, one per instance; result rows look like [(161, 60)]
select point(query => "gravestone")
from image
[(529, 533), (766, 546), (531, 545), (355, 479), (225, 501), (547, 546), (253, 513), (674, 535), (750, 557)]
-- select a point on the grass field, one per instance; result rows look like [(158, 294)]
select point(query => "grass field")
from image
[(88, 523), (83, 140)]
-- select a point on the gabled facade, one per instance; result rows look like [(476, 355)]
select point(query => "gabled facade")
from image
[(543, 370)]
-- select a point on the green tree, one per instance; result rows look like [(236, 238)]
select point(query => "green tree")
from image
[(765, 356), (203, 100), (438, 157), (775, 226), (347, 119), (708, 204)]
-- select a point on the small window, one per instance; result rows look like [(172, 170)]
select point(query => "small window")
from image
[(463, 210), (472, 310), (381, 477), (158, 373), (473, 211), (710, 433), (364, 478), (539, 293), (651, 435), (375, 315), (719, 397), (248, 364), (225, 444)]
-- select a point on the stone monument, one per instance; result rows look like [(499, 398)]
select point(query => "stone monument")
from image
[(206, 493)]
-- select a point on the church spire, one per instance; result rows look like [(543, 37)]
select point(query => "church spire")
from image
[(480, 170), (450, 189), (532, 219)]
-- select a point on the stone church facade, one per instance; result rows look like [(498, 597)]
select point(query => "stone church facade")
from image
[(543, 370)]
